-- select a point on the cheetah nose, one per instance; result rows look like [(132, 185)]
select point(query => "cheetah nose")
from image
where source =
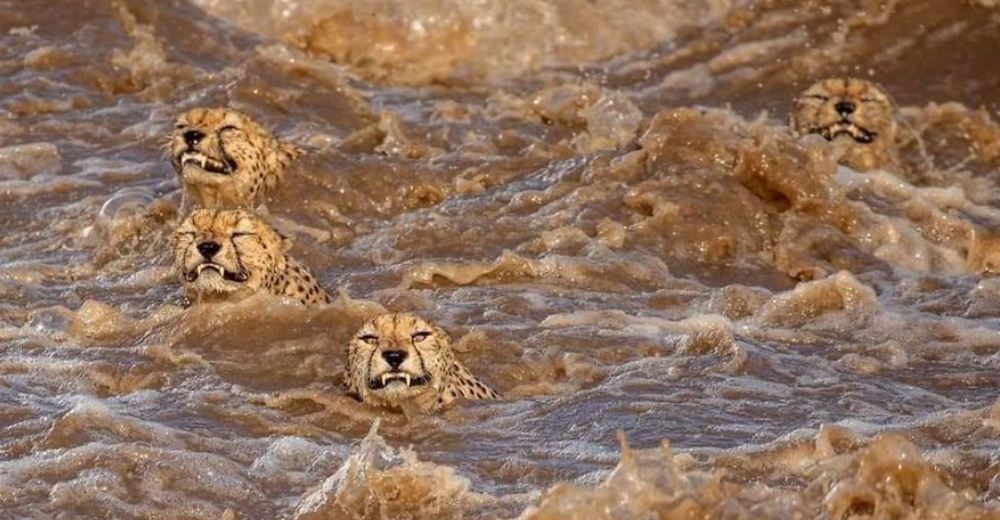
[(193, 137), (845, 108), (394, 357), (208, 249)]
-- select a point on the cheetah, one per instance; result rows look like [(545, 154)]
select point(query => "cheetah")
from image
[(226, 160), (401, 358), (855, 115), (227, 255)]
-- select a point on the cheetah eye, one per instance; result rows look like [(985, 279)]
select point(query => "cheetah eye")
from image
[(228, 128), (237, 234), (868, 100), (180, 126), (420, 336), (370, 339), (820, 97)]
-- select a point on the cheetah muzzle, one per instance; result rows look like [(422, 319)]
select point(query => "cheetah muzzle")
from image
[(227, 275), (845, 127), (390, 378), (195, 159)]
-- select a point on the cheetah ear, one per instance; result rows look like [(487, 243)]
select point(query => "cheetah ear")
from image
[(288, 152), (285, 243)]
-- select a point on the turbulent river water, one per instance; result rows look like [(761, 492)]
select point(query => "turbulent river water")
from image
[(690, 312)]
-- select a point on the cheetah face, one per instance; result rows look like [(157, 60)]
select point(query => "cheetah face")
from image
[(226, 254), (396, 357), (208, 141), (848, 108), (224, 157)]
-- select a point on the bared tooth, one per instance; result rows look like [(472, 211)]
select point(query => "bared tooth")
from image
[(406, 376)]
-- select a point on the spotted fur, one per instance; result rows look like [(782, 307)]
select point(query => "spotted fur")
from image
[(226, 160), (429, 376), (251, 257), (854, 114)]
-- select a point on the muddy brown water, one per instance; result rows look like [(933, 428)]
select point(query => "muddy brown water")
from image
[(690, 313)]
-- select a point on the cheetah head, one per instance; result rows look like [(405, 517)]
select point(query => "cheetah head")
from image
[(398, 357), (226, 255), (224, 158), (845, 108)]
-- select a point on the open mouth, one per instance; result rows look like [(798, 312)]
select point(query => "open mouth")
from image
[(229, 276), (196, 158), (848, 128), (397, 378)]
